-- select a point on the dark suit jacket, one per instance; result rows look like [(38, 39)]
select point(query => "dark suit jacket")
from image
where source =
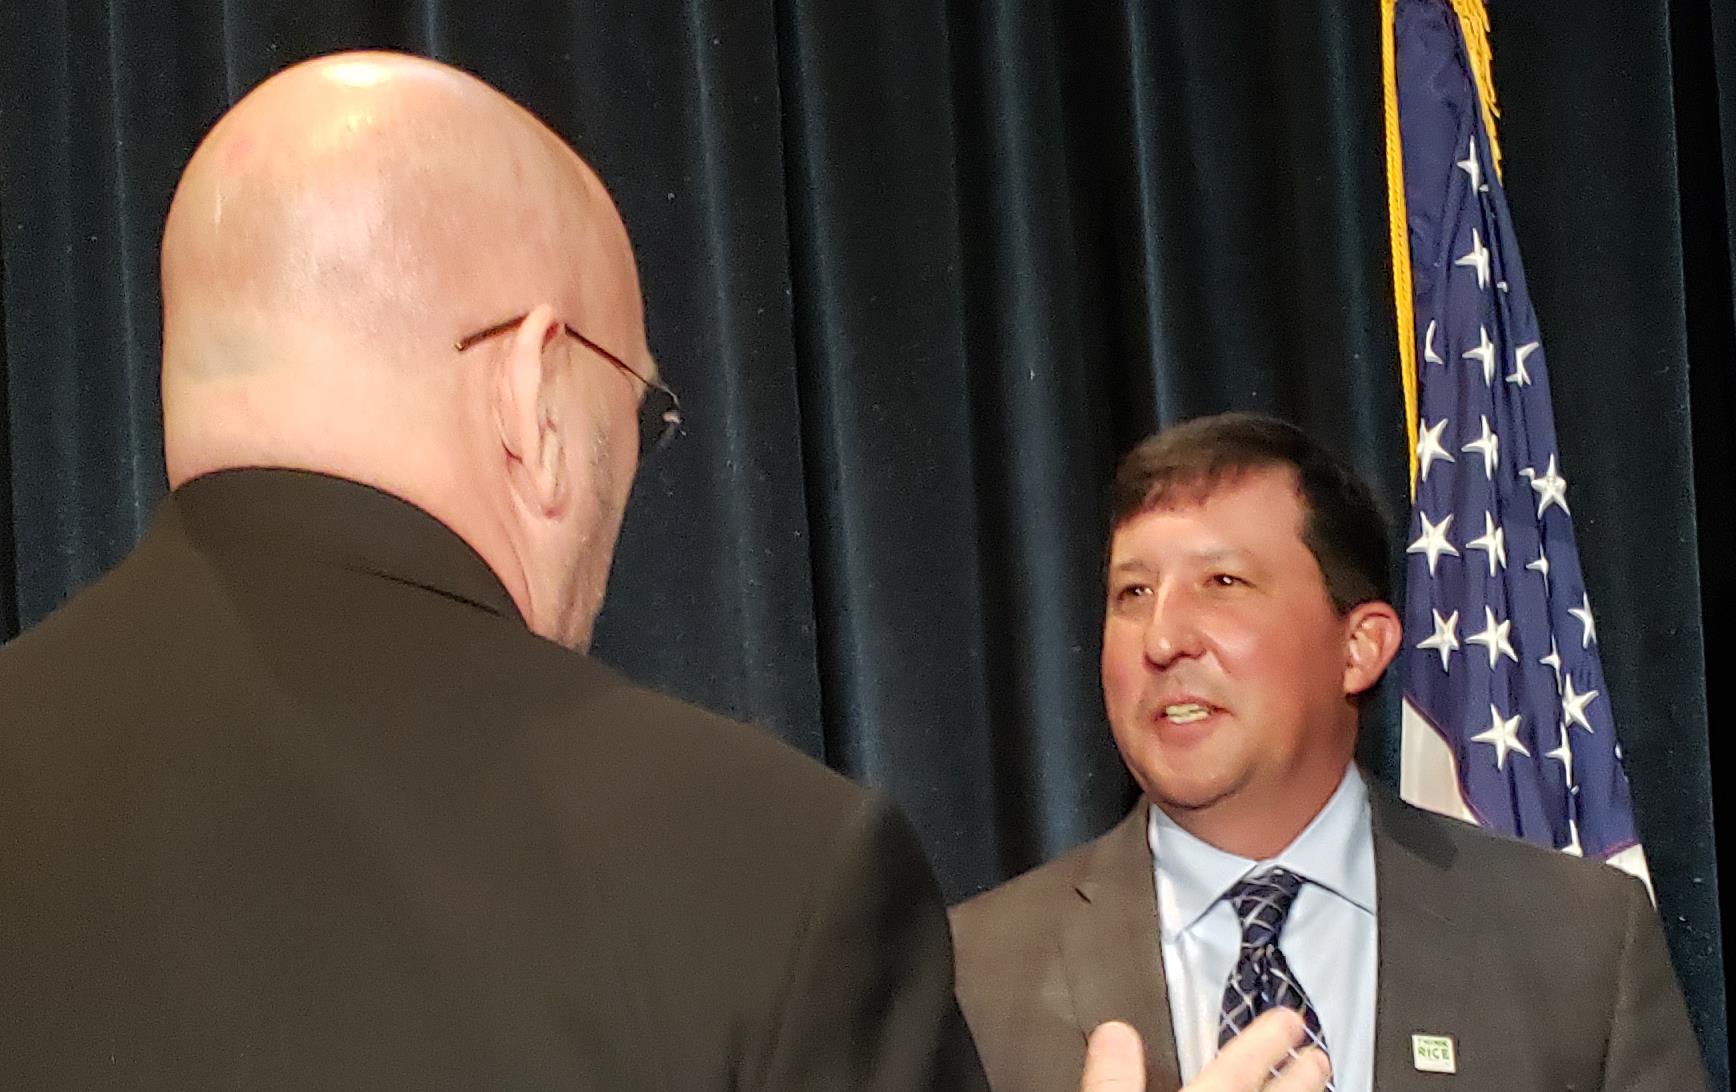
[(1549, 972), (292, 799)]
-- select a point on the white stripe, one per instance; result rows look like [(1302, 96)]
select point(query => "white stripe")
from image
[(1632, 860), (1428, 777)]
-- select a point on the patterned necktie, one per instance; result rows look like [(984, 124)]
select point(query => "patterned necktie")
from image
[(1261, 978)]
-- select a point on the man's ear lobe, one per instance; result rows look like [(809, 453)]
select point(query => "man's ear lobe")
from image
[(1371, 639), (520, 396)]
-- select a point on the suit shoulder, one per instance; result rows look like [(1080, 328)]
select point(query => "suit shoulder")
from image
[(1503, 863), (1011, 909), (638, 775), (691, 750)]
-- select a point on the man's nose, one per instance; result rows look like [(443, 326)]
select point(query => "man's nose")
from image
[(1172, 630)]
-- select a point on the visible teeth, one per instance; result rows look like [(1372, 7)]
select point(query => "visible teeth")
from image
[(1186, 712)]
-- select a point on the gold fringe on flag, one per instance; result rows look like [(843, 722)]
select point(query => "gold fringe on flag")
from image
[(1399, 224), (1474, 30), (1474, 26)]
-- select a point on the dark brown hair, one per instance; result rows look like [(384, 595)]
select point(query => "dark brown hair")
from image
[(1342, 526)]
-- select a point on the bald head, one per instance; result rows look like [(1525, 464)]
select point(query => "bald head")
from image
[(372, 201), (330, 239)]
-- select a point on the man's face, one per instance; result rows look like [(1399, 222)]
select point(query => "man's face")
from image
[(1224, 662)]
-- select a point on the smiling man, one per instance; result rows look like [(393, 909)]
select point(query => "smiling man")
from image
[(1247, 614)]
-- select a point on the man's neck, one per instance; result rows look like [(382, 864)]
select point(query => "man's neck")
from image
[(1256, 828)]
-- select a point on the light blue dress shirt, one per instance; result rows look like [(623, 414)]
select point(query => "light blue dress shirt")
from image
[(1329, 938)]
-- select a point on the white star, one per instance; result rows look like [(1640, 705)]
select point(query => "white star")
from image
[(1429, 353), (1433, 540), (1520, 354), (1573, 848), (1470, 165), (1477, 259), (1494, 638), (1489, 446), (1573, 706), (1493, 541), (1503, 735), (1484, 352), (1553, 663), (1563, 754), (1551, 488), (1429, 446), (1541, 565), (1583, 613), (1445, 638)]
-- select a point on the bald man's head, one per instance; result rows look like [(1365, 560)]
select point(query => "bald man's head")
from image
[(374, 197), (330, 239)]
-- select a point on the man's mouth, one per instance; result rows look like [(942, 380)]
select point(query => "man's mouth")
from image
[(1185, 712)]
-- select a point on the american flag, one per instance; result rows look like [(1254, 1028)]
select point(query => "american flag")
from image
[(1507, 716)]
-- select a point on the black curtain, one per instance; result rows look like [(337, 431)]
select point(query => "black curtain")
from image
[(921, 271)]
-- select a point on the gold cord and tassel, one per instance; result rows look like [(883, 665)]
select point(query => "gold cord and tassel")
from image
[(1474, 30)]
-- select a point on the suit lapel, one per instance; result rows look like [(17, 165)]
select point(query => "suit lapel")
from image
[(1110, 946), (1113, 957), (1424, 960)]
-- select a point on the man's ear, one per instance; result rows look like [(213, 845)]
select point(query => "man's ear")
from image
[(1372, 633), (524, 414)]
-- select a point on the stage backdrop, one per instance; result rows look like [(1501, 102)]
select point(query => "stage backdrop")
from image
[(921, 271)]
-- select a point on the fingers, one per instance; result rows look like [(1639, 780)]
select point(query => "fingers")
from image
[(1266, 1046), (1247, 1060), (1307, 1072), (1114, 1060)]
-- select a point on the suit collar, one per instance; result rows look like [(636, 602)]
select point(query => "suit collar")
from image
[(304, 517), (1426, 957), (1109, 944), (1412, 856)]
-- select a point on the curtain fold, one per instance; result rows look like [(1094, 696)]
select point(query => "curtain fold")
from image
[(920, 272), (8, 565)]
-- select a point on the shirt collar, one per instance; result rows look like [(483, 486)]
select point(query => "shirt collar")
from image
[(1335, 852)]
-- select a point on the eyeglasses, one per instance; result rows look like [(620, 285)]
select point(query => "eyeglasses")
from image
[(659, 411)]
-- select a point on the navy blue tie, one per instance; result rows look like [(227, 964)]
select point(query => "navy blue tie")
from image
[(1261, 978)]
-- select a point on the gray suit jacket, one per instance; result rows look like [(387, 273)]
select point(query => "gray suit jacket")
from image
[(1549, 972)]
